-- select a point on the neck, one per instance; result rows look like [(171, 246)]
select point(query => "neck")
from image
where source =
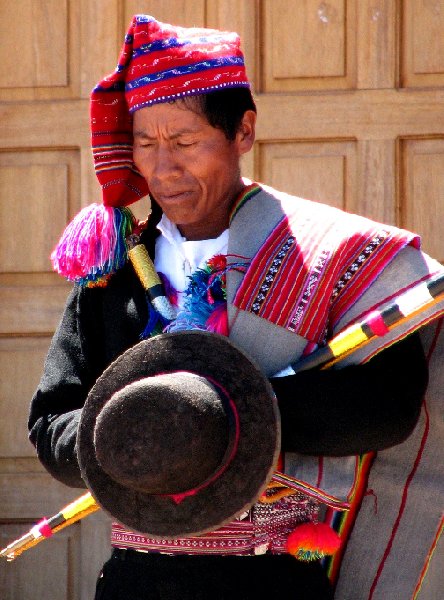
[(219, 221), (205, 231)]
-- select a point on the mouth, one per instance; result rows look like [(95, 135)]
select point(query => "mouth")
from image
[(172, 197)]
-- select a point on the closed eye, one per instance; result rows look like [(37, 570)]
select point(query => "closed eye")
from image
[(143, 142), (183, 144)]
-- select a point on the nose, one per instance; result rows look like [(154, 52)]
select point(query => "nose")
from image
[(165, 164)]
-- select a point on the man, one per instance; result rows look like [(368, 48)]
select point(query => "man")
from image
[(174, 120)]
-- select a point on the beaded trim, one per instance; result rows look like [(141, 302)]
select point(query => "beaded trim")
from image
[(193, 92)]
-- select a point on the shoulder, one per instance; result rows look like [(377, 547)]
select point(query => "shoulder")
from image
[(276, 205)]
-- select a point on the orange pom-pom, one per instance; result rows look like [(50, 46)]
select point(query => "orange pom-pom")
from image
[(312, 541)]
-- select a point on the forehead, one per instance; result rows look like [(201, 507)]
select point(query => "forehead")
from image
[(171, 116)]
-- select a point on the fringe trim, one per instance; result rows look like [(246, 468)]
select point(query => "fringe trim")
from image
[(93, 246)]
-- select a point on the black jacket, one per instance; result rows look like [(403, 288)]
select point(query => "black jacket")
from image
[(333, 412)]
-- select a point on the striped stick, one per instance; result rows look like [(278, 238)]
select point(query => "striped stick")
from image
[(82, 507), (150, 280), (376, 324)]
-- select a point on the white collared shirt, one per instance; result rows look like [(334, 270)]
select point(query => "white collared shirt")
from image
[(178, 258)]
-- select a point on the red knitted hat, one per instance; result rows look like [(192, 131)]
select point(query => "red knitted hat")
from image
[(158, 63)]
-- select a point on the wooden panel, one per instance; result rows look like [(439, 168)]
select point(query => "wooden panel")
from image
[(102, 30), (370, 114), (422, 192), (35, 215), (28, 493), (320, 171), (308, 45), (38, 209), (72, 558), (42, 63), (377, 32), (177, 12), (21, 361), (28, 577), (39, 57), (423, 43), (376, 189), (248, 162), (64, 124), (64, 567), (31, 304), (240, 16)]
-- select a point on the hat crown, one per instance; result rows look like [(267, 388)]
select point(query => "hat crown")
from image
[(250, 453), (164, 434)]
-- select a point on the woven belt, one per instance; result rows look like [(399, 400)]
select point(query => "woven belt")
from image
[(263, 529)]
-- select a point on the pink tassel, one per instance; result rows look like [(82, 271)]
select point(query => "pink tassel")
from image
[(93, 244), (217, 322)]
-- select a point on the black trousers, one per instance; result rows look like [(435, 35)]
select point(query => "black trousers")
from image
[(130, 575)]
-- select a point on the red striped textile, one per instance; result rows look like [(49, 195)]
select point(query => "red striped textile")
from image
[(342, 521), (264, 528), (316, 492), (311, 269)]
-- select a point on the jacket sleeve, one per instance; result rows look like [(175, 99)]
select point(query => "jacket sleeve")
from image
[(70, 371), (356, 409)]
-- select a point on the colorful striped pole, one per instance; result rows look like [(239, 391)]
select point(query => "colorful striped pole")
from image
[(375, 324), (150, 280), (82, 507)]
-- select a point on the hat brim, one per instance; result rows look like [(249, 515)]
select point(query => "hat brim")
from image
[(241, 483)]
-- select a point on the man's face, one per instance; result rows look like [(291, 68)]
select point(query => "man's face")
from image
[(191, 168)]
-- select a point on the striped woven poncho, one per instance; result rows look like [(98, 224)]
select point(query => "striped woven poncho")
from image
[(314, 270)]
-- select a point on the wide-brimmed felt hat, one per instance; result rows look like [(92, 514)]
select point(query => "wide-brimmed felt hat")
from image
[(179, 435)]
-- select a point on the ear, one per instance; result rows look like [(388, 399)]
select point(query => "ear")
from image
[(247, 131)]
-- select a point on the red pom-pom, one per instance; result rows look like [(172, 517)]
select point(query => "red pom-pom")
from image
[(312, 541), (217, 322), (218, 262)]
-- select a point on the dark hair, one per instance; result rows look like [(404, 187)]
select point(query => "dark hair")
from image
[(224, 109)]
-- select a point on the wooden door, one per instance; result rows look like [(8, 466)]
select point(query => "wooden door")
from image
[(49, 61), (351, 112)]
